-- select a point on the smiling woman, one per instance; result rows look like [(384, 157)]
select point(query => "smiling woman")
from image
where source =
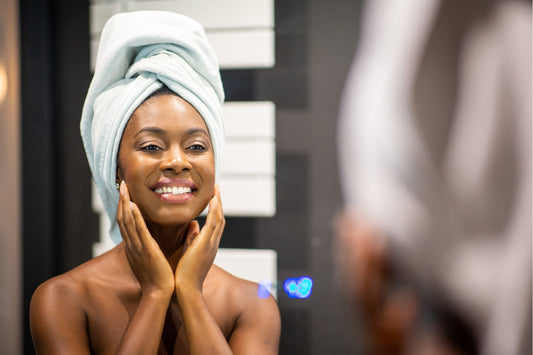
[(152, 126)]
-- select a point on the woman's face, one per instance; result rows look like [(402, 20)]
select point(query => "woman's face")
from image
[(166, 160)]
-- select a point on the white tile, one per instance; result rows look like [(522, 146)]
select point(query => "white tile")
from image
[(252, 48), (252, 119), (254, 156), (247, 196)]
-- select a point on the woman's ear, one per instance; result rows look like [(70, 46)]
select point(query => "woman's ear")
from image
[(118, 179), (118, 175)]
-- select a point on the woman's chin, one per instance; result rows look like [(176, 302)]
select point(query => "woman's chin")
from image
[(170, 218)]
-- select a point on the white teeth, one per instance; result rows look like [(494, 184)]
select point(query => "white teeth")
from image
[(174, 190)]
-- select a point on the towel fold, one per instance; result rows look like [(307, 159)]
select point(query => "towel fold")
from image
[(140, 52)]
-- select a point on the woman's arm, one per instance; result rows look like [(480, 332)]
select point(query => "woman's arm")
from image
[(203, 334), (257, 330), (143, 333), (58, 322)]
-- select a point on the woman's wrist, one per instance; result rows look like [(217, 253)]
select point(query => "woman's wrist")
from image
[(159, 294), (185, 290)]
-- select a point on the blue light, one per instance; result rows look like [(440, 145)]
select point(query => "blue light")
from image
[(300, 287), (291, 287)]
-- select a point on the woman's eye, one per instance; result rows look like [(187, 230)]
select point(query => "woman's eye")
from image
[(150, 148), (196, 147)]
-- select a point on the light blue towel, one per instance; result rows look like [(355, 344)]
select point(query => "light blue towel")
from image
[(138, 53)]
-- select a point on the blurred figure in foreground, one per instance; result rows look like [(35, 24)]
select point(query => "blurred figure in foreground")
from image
[(434, 245)]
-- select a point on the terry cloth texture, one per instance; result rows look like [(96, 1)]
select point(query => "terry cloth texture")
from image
[(139, 52)]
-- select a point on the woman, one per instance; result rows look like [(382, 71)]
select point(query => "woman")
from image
[(153, 131)]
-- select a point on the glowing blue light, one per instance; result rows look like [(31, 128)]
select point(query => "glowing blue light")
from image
[(291, 287), (300, 287)]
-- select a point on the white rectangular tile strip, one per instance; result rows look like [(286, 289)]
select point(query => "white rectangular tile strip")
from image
[(248, 196), (245, 119), (252, 157), (253, 48)]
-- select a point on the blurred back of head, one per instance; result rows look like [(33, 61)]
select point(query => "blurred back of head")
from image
[(435, 149)]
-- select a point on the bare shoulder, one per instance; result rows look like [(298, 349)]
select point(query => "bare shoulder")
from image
[(75, 284), (67, 289), (58, 308), (57, 314), (257, 320), (243, 293)]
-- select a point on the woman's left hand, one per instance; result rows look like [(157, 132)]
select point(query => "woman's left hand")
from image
[(200, 248)]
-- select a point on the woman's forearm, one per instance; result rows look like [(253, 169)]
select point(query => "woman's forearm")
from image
[(143, 334), (203, 334)]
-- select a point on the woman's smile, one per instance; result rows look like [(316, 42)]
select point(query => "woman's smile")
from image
[(174, 190)]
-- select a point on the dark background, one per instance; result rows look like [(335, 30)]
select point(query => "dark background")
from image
[(315, 42)]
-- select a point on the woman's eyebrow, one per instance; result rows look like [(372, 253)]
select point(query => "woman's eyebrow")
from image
[(192, 131), (155, 130), (160, 131)]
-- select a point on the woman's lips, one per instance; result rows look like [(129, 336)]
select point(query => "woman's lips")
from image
[(174, 190)]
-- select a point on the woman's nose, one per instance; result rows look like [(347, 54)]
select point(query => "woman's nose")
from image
[(175, 160)]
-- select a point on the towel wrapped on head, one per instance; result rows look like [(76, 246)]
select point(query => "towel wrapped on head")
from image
[(140, 52)]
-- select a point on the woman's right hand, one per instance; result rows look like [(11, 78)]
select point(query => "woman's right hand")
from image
[(146, 259), (201, 247)]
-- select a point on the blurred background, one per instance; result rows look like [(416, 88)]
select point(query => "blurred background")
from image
[(48, 222)]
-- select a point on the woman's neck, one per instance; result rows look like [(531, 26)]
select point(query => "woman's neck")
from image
[(171, 240)]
